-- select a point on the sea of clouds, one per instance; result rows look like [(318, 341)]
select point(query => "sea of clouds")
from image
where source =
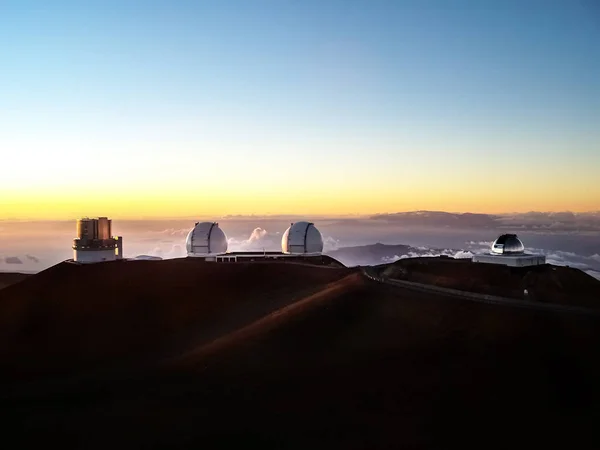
[(31, 247), (589, 264)]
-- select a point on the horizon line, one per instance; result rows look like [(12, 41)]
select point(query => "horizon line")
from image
[(282, 216)]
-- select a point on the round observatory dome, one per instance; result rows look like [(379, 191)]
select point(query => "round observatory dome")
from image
[(206, 238), (301, 238), (507, 244)]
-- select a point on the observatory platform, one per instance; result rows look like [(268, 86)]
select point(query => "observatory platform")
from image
[(238, 257), (511, 260), (508, 250)]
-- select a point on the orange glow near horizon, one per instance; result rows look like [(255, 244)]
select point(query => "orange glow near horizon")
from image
[(382, 109), (58, 204)]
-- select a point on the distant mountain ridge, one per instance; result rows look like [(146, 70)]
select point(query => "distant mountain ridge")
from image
[(532, 220), (365, 255), (441, 218)]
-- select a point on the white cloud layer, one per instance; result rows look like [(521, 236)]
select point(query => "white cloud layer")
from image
[(259, 239)]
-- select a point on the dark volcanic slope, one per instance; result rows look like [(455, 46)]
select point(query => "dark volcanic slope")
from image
[(375, 366), (355, 364), (72, 317), (546, 283), (8, 278)]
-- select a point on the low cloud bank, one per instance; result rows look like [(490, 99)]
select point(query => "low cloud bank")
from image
[(20, 263), (330, 244), (588, 264), (594, 273), (550, 222), (174, 251), (259, 239)]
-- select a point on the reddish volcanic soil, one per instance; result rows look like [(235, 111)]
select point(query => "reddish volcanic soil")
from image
[(339, 362), (546, 283)]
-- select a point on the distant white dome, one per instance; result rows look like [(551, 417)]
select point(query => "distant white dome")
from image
[(507, 244), (301, 238), (206, 238)]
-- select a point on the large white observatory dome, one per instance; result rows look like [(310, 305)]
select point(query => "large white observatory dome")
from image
[(301, 238), (507, 244), (206, 238)]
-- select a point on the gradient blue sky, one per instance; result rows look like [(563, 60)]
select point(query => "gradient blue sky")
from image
[(430, 104)]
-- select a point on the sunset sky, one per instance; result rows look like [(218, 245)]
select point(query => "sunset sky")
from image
[(183, 108)]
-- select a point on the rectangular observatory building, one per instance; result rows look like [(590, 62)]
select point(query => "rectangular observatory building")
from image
[(522, 260)]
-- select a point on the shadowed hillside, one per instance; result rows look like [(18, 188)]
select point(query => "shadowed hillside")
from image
[(315, 358), (8, 278), (545, 283), (71, 317), (406, 369)]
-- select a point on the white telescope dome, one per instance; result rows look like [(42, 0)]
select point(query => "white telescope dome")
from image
[(302, 238), (206, 238)]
